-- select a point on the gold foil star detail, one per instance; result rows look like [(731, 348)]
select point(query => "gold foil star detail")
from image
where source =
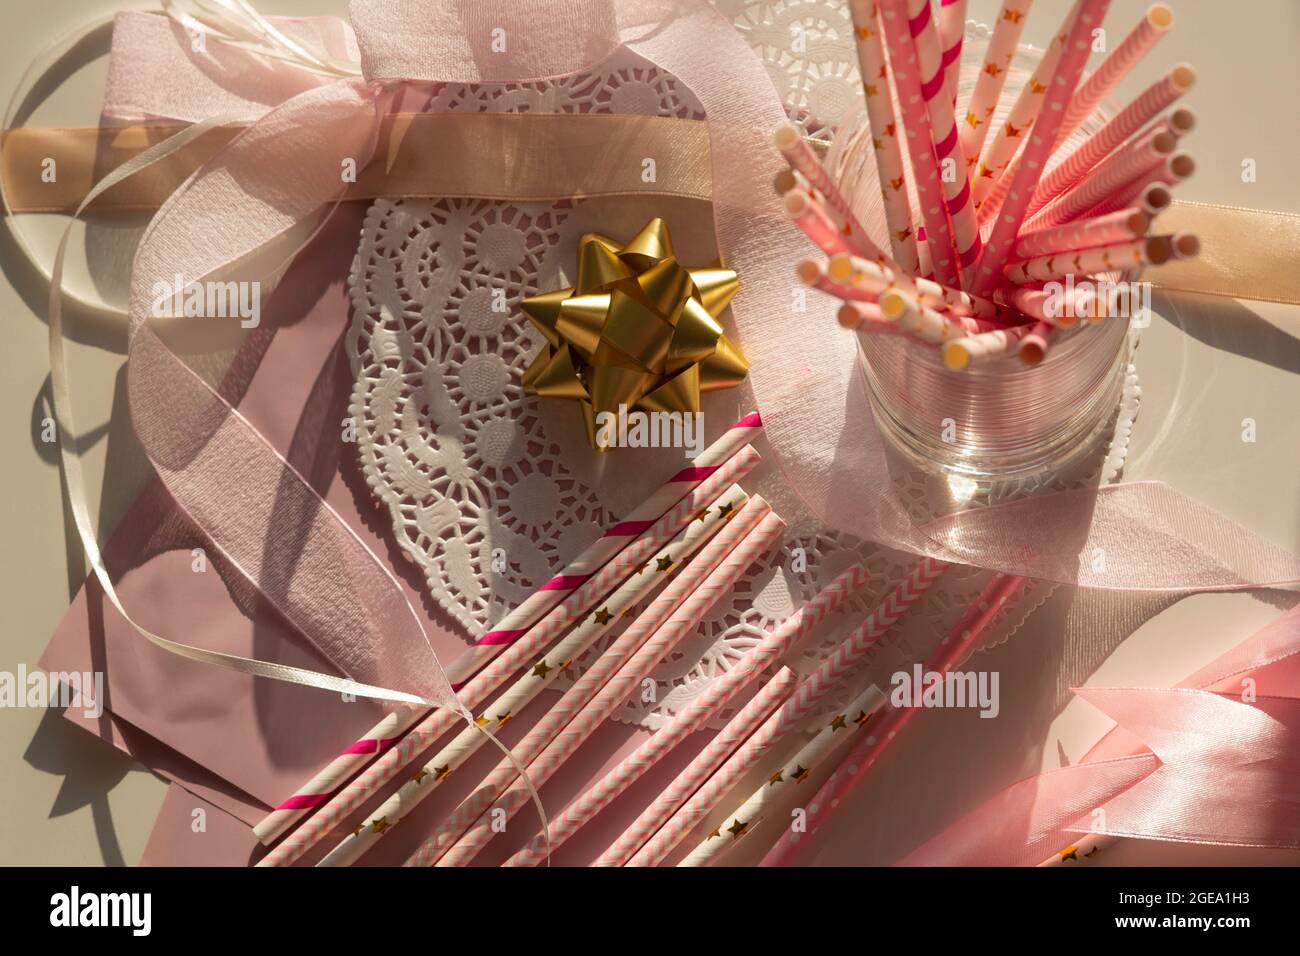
[(482, 721), (991, 69), (541, 669), (725, 510), (839, 723), (443, 772), (972, 120), (716, 833), (664, 563), (419, 777), (897, 184), (903, 234), (502, 718), (603, 616), (778, 777), (1012, 132), (862, 718), (1036, 87), (870, 89), (1070, 853), (637, 330), (863, 32), (380, 825), (737, 829), (799, 773), (1012, 15)]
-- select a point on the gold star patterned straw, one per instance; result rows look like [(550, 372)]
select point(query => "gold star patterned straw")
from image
[(992, 76), (835, 729), (538, 676)]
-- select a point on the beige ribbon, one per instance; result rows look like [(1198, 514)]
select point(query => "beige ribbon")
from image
[(1245, 253)]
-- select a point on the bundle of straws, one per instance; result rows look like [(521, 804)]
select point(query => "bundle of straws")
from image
[(988, 235)]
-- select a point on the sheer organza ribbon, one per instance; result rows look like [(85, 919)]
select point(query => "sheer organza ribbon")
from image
[(1212, 761)]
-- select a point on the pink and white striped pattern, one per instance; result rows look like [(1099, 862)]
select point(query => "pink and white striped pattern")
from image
[(886, 151), (1042, 139), (1149, 187), (388, 731), (772, 647), (956, 645), (724, 743), (585, 688), (930, 191), (622, 685), (943, 127), (952, 32), (807, 695), (959, 354), (1148, 105), (342, 802)]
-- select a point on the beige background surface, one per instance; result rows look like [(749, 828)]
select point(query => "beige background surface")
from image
[(67, 799)]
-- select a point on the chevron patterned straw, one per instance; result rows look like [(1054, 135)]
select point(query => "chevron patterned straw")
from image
[(388, 731), (436, 723), (749, 718), (660, 610), (616, 691), (538, 677), (810, 692), (1146, 107), (771, 648), (954, 648), (792, 773), (1097, 86)]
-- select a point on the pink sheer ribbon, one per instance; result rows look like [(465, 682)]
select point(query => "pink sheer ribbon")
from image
[(1212, 761)]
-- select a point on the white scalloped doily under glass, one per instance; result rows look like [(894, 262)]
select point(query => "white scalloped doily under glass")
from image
[(470, 469)]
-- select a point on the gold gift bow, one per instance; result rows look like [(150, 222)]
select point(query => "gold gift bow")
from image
[(1245, 253)]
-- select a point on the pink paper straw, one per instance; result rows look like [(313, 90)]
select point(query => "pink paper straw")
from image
[(813, 273), (390, 729), (659, 611), (1154, 24), (809, 693), (884, 132), (1148, 105), (943, 125), (848, 271), (815, 221), (1041, 305), (1119, 226), (952, 31), (960, 353), (1146, 193), (1024, 113), (536, 676), (800, 156), (1113, 174), (621, 685), (851, 770), (906, 72), (1033, 347), (436, 723), (1152, 250), (1042, 137), (770, 649), (760, 707), (992, 77)]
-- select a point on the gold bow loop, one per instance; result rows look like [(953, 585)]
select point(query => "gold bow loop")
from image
[(638, 329)]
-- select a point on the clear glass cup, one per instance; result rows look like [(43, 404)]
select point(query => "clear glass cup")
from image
[(999, 419)]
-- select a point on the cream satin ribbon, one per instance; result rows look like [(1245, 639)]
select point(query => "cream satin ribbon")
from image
[(1245, 253)]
